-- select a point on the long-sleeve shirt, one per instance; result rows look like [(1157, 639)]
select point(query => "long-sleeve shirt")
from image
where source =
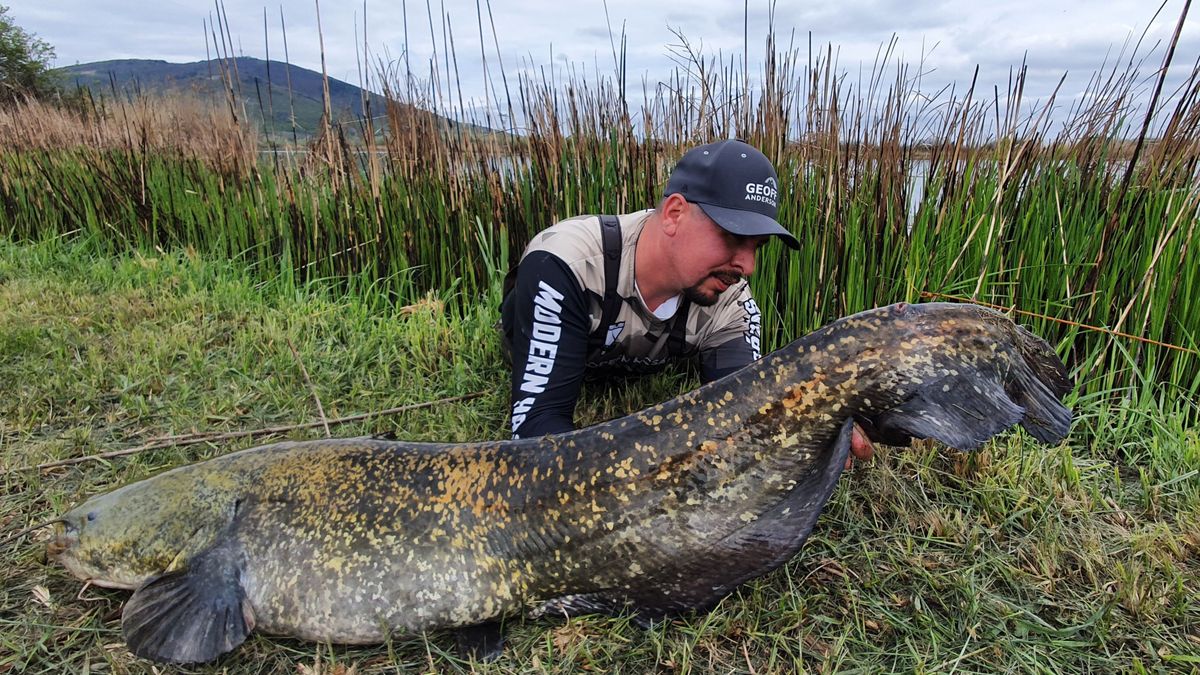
[(555, 307)]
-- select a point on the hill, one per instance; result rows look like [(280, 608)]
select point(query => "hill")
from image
[(271, 90)]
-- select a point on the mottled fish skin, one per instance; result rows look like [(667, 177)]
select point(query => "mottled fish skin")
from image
[(658, 512)]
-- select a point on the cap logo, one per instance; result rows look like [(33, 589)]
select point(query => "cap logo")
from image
[(766, 191)]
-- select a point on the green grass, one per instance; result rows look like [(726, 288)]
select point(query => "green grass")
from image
[(1021, 558)]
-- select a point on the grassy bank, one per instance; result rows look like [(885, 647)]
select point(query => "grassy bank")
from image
[(1017, 559)]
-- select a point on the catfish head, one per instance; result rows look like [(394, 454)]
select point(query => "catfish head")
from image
[(122, 538)]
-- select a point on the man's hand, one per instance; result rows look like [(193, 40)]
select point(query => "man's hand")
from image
[(860, 447)]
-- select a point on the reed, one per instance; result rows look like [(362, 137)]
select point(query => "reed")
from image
[(981, 198)]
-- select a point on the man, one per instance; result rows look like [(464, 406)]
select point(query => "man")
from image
[(679, 290)]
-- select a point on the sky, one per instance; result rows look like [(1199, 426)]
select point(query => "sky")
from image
[(942, 40)]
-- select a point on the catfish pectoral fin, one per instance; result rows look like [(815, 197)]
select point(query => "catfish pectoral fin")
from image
[(483, 641), (608, 603), (190, 616)]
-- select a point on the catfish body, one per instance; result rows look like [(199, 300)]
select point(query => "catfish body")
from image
[(662, 511)]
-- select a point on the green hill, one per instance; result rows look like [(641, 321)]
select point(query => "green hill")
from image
[(263, 87)]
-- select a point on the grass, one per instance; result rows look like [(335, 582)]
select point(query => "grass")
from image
[(1079, 558)]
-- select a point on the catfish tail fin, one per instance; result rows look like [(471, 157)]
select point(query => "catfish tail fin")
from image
[(978, 401), (1039, 388)]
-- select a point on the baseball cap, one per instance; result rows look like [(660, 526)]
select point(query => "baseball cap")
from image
[(735, 185)]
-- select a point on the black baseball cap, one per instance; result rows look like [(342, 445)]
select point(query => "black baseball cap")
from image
[(735, 185)]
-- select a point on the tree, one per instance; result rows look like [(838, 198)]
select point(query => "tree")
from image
[(24, 61)]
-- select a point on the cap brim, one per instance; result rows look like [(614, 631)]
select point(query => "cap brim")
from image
[(748, 223)]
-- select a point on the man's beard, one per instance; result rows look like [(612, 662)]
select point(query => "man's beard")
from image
[(696, 296)]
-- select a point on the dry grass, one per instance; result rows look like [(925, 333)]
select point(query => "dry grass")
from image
[(175, 125)]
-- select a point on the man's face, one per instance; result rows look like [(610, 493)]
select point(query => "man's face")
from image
[(712, 259)]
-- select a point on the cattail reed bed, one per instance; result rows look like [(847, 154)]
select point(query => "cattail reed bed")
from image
[(1092, 225)]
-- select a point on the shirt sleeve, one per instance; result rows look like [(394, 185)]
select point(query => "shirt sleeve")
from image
[(736, 342), (549, 328)]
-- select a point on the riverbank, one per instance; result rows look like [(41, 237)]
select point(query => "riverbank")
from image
[(1080, 557)]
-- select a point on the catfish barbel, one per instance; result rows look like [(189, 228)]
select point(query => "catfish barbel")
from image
[(665, 510)]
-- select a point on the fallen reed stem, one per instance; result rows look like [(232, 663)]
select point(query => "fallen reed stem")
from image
[(311, 388), (1068, 322), (190, 439)]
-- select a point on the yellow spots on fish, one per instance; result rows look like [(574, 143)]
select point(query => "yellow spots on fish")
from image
[(748, 516), (800, 398), (727, 397), (624, 469), (765, 408), (784, 439)]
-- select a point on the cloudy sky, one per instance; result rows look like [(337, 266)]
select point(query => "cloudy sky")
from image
[(950, 37)]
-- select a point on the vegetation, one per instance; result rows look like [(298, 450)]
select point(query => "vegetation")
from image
[(154, 270), (1018, 558), (895, 202), (24, 61)]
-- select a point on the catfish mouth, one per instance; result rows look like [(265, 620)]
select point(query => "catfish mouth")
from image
[(66, 537), (64, 549)]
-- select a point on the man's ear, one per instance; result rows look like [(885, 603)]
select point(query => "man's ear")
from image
[(674, 209)]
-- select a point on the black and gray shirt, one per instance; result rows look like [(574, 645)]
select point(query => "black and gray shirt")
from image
[(556, 305)]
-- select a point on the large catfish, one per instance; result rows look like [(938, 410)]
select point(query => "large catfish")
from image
[(663, 511)]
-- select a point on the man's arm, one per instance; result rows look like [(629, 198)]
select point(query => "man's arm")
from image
[(547, 318)]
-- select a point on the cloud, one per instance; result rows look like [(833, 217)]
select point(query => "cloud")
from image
[(943, 39)]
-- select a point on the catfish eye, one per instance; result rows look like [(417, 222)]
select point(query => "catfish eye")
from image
[(91, 516)]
